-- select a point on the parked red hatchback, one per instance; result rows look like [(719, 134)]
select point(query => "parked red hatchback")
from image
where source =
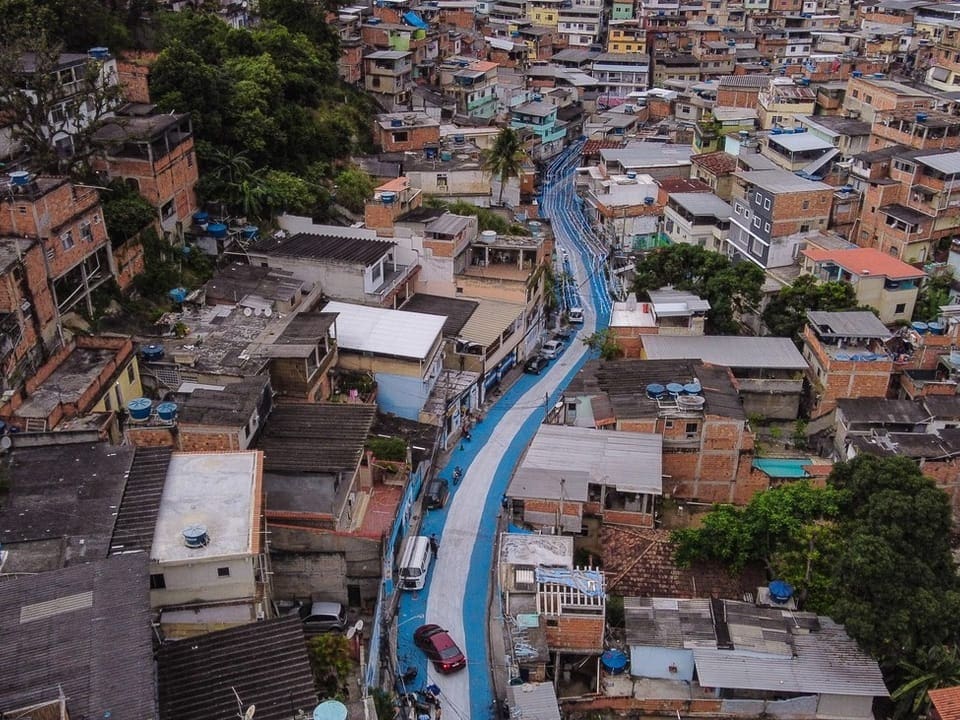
[(440, 648)]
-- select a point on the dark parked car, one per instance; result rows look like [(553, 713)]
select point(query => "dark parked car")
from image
[(536, 365), (439, 648), (437, 493), (318, 617)]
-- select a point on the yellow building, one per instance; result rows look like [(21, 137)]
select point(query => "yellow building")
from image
[(544, 13), (626, 36), (125, 388)]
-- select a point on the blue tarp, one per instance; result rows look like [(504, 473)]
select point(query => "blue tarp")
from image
[(411, 18)]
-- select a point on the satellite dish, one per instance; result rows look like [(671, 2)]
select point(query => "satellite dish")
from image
[(351, 631), (247, 312), (268, 312), (5, 442), (358, 626), (248, 715)]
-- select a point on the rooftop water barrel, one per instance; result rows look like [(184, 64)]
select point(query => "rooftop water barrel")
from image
[(139, 408), (167, 411), (19, 178), (857, 73), (330, 710), (249, 232), (648, 200), (430, 152), (217, 230), (692, 388), (776, 131), (459, 139), (446, 155), (936, 328), (691, 402), (781, 591), (921, 117), (655, 390), (201, 217), (920, 327), (195, 536), (614, 661), (99, 53), (488, 236), (152, 353), (387, 198), (396, 122), (675, 389), (178, 295)]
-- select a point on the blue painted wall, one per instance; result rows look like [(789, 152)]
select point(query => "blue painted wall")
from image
[(655, 662), (402, 395)]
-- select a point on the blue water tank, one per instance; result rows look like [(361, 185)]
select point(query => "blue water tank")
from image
[(178, 295), (936, 328), (878, 76), (921, 117), (649, 200), (692, 388), (152, 353), (921, 327), (167, 411), (430, 152), (201, 217), (217, 230), (776, 131), (99, 53), (195, 536), (446, 155), (459, 139), (249, 232), (655, 390), (19, 178), (139, 408), (675, 389), (387, 198), (781, 591), (857, 73), (396, 122), (614, 661)]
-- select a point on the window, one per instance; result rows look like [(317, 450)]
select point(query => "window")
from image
[(692, 427), (130, 373), (806, 205), (67, 239), (900, 308), (868, 99), (855, 93), (157, 581), (441, 182), (756, 221), (223, 572), (756, 198), (59, 113), (668, 424), (108, 402), (766, 227), (86, 232), (190, 159), (167, 210), (804, 227), (401, 136), (766, 203)]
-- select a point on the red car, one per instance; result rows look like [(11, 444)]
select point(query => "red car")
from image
[(440, 648)]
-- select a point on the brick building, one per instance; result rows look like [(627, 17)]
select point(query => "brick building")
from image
[(707, 444), (869, 96), (66, 221), (153, 153), (400, 132), (848, 358)]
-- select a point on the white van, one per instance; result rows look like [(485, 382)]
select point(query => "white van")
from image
[(575, 315), (415, 558)]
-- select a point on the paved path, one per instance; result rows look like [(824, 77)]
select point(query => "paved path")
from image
[(459, 588)]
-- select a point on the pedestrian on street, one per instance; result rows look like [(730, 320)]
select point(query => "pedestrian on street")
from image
[(434, 545)]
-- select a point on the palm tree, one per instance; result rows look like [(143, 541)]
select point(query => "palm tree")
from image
[(938, 667), (505, 159)]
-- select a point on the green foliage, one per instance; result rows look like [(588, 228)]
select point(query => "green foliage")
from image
[(936, 667), (799, 435), (934, 293), (731, 289), (387, 448), (505, 159), (385, 704), (786, 313), (125, 212), (78, 24), (604, 342), (486, 219), (354, 188), (615, 614), (166, 267), (330, 660)]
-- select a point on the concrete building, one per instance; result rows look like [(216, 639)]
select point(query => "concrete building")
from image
[(401, 350), (387, 75), (207, 558), (782, 102), (402, 132), (880, 281), (867, 96), (697, 219)]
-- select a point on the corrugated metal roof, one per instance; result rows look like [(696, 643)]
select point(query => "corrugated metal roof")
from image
[(799, 143), (385, 332), (489, 320), (824, 662), (852, 323), (533, 701), (311, 246), (727, 350), (703, 204), (631, 462), (448, 224), (948, 163)]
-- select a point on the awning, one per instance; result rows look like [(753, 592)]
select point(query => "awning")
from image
[(411, 18)]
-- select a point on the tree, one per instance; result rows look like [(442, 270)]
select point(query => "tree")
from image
[(786, 313), (505, 159), (934, 293), (937, 667), (606, 343), (330, 660), (125, 212), (354, 188), (731, 289), (53, 117)]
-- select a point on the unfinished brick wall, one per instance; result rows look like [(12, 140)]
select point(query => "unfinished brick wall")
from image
[(575, 632), (133, 74), (150, 436), (946, 474), (130, 261)]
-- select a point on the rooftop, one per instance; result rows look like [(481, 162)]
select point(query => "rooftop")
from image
[(624, 383), (449, 224), (703, 204), (126, 128), (83, 631), (539, 109), (219, 491), (799, 143), (717, 163), (781, 181), (562, 461), (770, 353), (62, 504), (489, 321), (850, 324), (137, 516), (947, 163), (263, 663), (308, 246), (237, 280), (320, 438), (882, 411), (535, 549), (755, 82), (646, 155), (946, 702), (380, 331), (11, 250), (457, 311), (866, 261), (668, 302), (231, 406), (69, 383), (835, 125)]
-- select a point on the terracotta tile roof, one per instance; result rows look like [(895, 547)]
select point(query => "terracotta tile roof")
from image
[(946, 701), (639, 562), (863, 261), (717, 163), (682, 185), (593, 147)]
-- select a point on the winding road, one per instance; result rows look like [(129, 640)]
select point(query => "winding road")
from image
[(457, 593)]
